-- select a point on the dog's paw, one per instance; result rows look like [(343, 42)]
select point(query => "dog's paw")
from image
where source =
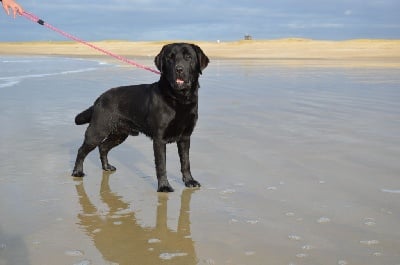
[(109, 167), (165, 188), (78, 174), (192, 183), (163, 185)]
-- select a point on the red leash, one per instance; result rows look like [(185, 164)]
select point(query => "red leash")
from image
[(65, 34)]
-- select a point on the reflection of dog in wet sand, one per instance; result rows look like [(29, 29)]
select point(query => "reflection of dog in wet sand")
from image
[(121, 239), (165, 111)]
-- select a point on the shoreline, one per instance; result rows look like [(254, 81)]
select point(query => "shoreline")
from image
[(363, 51)]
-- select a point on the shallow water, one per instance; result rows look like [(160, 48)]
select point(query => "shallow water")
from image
[(298, 165)]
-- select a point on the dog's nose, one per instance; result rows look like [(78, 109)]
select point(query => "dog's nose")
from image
[(179, 69)]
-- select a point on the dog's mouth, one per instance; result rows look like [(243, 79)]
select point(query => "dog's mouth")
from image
[(180, 82)]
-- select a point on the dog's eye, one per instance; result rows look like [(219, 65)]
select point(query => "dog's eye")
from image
[(171, 56), (188, 57)]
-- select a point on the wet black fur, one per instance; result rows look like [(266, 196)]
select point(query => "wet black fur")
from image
[(165, 111)]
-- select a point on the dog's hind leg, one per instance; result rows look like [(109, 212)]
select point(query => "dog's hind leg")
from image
[(92, 139), (110, 142)]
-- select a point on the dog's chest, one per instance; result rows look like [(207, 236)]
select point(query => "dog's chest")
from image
[(182, 124)]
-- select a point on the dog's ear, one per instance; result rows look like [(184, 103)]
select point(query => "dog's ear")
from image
[(158, 60), (201, 58)]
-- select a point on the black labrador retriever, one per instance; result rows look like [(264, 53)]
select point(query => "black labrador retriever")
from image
[(165, 111)]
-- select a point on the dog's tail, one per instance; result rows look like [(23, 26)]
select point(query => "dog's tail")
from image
[(84, 117)]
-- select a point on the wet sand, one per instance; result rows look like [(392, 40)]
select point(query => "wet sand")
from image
[(298, 165)]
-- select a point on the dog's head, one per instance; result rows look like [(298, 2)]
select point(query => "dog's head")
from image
[(181, 64)]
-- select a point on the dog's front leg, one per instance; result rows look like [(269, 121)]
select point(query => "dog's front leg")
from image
[(183, 150), (159, 147)]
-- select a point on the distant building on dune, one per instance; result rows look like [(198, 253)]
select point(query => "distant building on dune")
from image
[(248, 37)]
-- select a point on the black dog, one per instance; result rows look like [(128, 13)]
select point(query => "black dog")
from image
[(165, 111)]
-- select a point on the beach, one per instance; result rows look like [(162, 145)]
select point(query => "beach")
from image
[(297, 154), (360, 52)]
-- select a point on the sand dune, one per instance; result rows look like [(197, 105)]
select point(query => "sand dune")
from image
[(266, 49)]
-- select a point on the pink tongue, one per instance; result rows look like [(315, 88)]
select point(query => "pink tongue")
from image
[(179, 81)]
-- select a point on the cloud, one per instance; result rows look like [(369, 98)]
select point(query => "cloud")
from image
[(348, 12), (312, 25)]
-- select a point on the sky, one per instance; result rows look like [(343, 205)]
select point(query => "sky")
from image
[(209, 20)]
